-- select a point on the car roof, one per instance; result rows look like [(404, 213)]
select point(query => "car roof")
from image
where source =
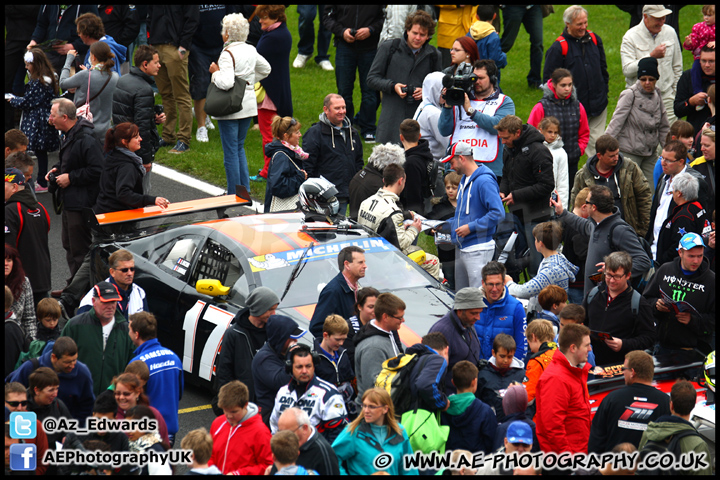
[(278, 232)]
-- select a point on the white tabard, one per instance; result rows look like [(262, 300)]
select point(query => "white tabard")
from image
[(485, 144)]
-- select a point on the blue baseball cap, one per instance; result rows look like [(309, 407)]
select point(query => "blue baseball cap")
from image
[(690, 241), (519, 432)]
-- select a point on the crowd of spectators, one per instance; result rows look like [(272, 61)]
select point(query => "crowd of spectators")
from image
[(628, 238)]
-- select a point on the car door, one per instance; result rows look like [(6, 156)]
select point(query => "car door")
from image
[(207, 317)]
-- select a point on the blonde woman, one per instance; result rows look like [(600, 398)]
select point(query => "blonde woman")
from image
[(355, 446)]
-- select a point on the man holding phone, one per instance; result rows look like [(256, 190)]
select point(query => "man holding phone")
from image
[(134, 101)]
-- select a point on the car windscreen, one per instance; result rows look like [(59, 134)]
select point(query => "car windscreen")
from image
[(387, 269)]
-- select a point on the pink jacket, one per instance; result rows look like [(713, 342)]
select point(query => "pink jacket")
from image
[(699, 37)]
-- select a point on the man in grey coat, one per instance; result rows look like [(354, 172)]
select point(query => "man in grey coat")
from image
[(399, 66), (599, 227), (378, 340)]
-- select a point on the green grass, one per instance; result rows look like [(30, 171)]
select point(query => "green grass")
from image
[(311, 84)]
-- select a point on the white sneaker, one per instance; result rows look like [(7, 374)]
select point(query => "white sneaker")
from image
[(300, 61), (202, 135), (208, 123), (326, 65)]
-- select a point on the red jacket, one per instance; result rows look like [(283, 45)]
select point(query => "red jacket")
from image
[(563, 407), (243, 449)]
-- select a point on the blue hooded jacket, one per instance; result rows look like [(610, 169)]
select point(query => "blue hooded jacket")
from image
[(507, 315), (268, 366), (120, 52), (479, 207)]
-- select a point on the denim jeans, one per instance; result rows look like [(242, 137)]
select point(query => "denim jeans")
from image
[(347, 60), (306, 29), (532, 20), (232, 135)]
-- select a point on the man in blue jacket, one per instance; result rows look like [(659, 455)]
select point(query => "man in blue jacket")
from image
[(165, 386), (427, 379), (76, 383), (340, 293), (505, 314), (478, 213)]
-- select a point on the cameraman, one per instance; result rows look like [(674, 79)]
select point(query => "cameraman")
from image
[(474, 120), (398, 71)]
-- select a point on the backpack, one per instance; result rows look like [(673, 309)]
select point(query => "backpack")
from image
[(395, 378), (634, 301), (662, 446), (36, 349), (564, 44)]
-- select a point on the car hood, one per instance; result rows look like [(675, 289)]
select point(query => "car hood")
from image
[(425, 306)]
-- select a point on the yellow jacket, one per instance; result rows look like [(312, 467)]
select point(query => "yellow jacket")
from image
[(454, 22)]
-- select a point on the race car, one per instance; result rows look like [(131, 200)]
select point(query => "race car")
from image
[(198, 275)]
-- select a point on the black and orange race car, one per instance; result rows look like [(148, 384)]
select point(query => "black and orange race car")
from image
[(197, 274)]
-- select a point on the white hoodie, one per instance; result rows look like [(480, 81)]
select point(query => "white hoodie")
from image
[(560, 171), (428, 113)]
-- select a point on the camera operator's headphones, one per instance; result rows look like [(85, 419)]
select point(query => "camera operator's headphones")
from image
[(491, 69), (299, 348)]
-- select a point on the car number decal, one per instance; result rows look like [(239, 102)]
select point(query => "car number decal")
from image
[(221, 320)]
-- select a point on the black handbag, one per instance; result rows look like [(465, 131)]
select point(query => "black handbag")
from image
[(219, 102)]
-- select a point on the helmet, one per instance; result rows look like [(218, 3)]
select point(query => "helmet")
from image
[(317, 195), (710, 371)]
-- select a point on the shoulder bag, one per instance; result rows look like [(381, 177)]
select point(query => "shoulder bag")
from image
[(84, 110), (219, 102), (278, 204)]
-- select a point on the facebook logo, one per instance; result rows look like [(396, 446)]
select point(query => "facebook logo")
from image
[(23, 456), (23, 425)]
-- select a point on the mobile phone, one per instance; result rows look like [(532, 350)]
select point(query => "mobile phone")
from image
[(554, 196), (158, 109)]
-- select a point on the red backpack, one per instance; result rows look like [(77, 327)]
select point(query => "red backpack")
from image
[(564, 45)]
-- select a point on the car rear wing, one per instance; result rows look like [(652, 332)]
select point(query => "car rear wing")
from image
[(127, 221)]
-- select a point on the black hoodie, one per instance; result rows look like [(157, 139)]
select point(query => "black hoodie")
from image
[(528, 171), (26, 228), (418, 160), (121, 183)]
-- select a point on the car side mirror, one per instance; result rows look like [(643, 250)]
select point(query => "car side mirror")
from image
[(211, 287)]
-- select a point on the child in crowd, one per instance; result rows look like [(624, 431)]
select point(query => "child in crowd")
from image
[(41, 88), (443, 208), (703, 33), (333, 360), (472, 422), (540, 336), (550, 128), (285, 452), (200, 442), (574, 313), (48, 312), (679, 130), (241, 441), (554, 269), (499, 373), (515, 406), (552, 300), (487, 39)]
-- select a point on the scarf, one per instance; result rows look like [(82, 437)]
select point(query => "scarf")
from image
[(696, 75), (296, 149), (271, 27)]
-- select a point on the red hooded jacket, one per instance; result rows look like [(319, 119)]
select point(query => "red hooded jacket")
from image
[(563, 407)]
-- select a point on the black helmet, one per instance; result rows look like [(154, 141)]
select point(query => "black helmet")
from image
[(317, 195)]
